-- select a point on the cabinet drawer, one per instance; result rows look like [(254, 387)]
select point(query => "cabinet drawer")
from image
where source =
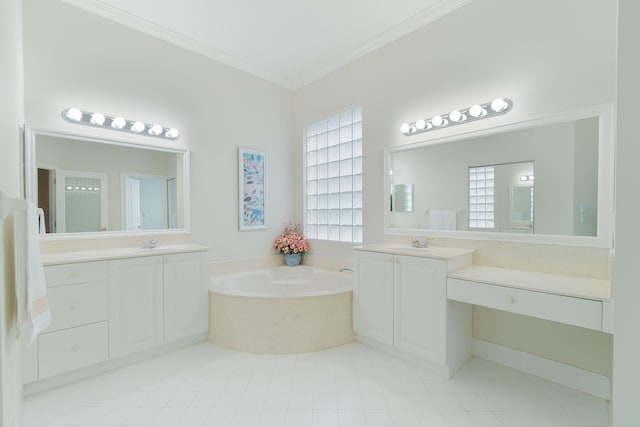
[(71, 349), (69, 274), (573, 311), (77, 305)]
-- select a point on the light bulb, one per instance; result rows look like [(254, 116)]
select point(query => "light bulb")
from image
[(421, 124), (523, 178), (97, 119), (499, 105), (74, 114), (172, 133), (438, 121), (137, 127), (155, 130), (530, 177), (118, 123), (69, 187), (405, 128), (457, 116), (477, 111)]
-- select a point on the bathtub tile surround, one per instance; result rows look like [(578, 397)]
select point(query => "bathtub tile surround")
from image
[(281, 310), (352, 385)]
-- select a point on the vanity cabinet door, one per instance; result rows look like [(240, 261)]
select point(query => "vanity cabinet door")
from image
[(420, 307), (185, 296), (135, 305), (373, 296)]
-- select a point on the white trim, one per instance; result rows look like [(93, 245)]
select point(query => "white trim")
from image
[(436, 11), (570, 376), (30, 182), (606, 153), (396, 32)]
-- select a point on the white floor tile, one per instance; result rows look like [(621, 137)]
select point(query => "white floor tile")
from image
[(349, 386), (350, 418), (273, 418), (325, 418), (299, 418)]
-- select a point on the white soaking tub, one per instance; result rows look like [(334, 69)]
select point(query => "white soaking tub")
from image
[(281, 310)]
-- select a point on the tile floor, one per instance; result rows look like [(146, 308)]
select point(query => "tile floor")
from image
[(352, 385)]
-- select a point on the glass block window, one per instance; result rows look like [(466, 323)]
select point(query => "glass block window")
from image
[(481, 197), (333, 176)]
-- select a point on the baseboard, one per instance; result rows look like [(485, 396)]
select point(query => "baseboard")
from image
[(579, 379)]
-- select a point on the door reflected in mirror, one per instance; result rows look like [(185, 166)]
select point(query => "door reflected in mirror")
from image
[(86, 185)]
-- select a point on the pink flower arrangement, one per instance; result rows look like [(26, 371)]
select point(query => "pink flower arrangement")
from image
[(291, 241)]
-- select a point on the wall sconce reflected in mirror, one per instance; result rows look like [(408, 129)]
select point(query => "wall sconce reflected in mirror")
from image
[(475, 112), (75, 115)]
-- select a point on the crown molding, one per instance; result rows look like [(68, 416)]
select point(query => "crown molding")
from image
[(394, 33)]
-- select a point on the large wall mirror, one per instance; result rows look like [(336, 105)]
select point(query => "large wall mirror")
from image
[(90, 185), (548, 180)]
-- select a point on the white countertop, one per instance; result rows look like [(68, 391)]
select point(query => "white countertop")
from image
[(574, 286), (438, 252), (117, 253)]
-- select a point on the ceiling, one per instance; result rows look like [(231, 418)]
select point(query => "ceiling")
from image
[(288, 42)]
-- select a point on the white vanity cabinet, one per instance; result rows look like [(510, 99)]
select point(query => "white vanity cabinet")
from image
[(400, 306), (419, 306), (136, 305), (185, 288), (78, 334), (106, 305)]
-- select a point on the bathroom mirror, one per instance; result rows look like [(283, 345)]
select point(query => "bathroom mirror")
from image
[(548, 180), (90, 185)]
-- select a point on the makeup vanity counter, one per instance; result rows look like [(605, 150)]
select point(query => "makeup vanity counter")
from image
[(578, 301), (416, 303)]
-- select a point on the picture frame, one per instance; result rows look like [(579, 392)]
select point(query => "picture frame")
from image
[(252, 189)]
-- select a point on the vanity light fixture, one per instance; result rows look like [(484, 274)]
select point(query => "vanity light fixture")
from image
[(475, 112), (75, 115)]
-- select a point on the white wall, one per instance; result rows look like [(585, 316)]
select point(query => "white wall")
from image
[(74, 58), (626, 373), (547, 56), (11, 117)]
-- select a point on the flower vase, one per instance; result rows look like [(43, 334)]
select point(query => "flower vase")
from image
[(292, 259)]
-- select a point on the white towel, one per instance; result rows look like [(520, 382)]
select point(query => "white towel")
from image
[(37, 303), (42, 225), (442, 220)]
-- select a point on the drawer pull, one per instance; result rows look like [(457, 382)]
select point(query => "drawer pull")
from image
[(75, 306), (75, 348), (73, 273), (510, 300)]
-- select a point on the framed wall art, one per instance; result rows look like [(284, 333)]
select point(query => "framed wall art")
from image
[(252, 170)]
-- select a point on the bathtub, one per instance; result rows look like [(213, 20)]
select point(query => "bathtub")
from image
[(281, 310)]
